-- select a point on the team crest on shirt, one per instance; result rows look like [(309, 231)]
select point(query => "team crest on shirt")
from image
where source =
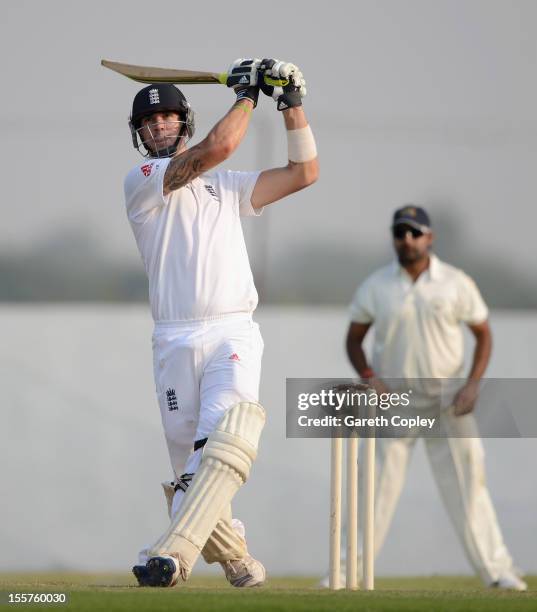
[(212, 191), (234, 357), (171, 398), (147, 169)]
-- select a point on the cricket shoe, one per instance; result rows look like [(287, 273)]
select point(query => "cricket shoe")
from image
[(245, 572), (511, 582), (162, 571), (142, 575)]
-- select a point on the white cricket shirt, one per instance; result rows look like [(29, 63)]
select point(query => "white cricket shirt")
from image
[(191, 241), (418, 331)]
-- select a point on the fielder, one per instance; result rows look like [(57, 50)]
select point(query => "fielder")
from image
[(207, 350), (417, 306)]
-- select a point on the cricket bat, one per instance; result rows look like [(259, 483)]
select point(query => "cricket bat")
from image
[(151, 74)]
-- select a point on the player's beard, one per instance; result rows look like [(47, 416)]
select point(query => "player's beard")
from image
[(162, 142), (410, 255)]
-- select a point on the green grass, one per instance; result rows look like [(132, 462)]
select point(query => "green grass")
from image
[(117, 592)]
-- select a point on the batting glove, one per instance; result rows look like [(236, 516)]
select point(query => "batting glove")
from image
[(242, 75), (283, 82)]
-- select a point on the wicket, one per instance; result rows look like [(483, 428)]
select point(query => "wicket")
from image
[(368, 553)]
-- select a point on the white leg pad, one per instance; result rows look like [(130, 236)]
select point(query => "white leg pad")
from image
[(224, 543), (225, 466)]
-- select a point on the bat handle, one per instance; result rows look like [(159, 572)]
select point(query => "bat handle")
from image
[(222, 78), (275, 82)]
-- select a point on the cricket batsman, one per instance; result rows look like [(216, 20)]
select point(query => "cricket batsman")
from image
[(185, 215)]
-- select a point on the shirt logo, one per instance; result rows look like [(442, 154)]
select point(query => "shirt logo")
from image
[(153, 96), (171, 398), (147, 169), (234, 357), (212, 191)]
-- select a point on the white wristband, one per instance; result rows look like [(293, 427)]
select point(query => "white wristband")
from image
[(301, 145)]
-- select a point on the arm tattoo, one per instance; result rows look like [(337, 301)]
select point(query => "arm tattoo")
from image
[(181, 170)]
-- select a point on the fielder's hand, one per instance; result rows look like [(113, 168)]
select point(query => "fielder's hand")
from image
[(242, 75), (465, 398), (283, 82)]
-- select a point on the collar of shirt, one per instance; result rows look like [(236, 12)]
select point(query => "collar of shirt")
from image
[(431, 273)]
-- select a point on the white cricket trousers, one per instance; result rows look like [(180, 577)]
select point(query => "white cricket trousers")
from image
[(458, 466), (202, 369)]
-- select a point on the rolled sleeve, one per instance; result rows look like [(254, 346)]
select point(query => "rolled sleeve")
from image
[(472, 307), (361, 308), (244, 187)]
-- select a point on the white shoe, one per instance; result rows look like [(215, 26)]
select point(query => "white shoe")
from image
[(245, 572), (510, 582), (517, 571)]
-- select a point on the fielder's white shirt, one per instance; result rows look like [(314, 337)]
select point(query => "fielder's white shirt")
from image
[(418, 331), (191, 241)]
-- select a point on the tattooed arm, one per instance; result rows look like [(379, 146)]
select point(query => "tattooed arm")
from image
[(219, 144)]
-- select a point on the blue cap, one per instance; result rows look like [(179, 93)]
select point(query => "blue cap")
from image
[(415, 216)]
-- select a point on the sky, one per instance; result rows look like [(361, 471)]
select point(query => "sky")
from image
[(431, 102)]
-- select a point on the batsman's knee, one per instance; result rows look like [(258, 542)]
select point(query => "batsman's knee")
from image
[(236, 439)]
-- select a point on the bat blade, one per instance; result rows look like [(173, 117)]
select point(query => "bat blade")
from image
[(151, 74)]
